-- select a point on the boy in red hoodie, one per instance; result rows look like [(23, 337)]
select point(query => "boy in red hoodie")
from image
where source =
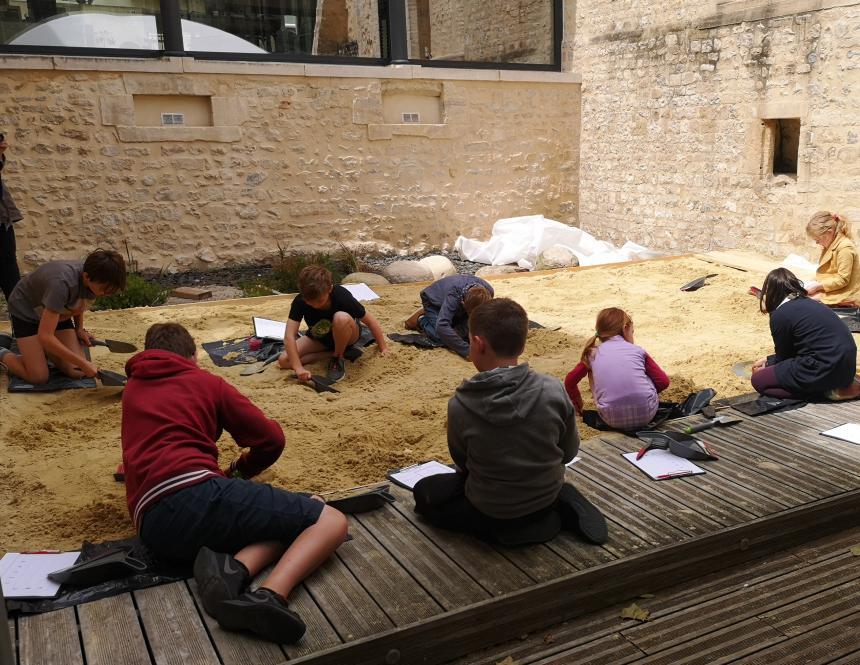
[(186, 508)]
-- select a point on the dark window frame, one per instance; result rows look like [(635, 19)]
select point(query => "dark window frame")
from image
[(396, 38)]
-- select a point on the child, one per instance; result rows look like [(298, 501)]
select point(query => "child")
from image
[(838, 273), (445, 307), (9, 215), (333, 316), (624, 379), (47, 310), (185, 508), (814, 352), (510, 432)]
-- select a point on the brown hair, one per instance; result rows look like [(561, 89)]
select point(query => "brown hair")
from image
[(502, 323), (476, 295), (106, 266), (824, 221), (170, 337), (314, 281), (779, 285), (610, 322)]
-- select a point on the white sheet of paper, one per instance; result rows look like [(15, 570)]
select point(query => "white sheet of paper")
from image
[(269, 329), (412, 474), (662, 465), (573, 461), (361, 291), (848, 432), (26, 575)]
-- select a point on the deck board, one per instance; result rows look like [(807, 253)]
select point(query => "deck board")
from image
[(111, 632), (49, 639)]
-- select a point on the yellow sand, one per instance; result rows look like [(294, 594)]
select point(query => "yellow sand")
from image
[(59, 450)]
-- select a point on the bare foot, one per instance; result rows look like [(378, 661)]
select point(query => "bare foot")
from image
[(412, 322)]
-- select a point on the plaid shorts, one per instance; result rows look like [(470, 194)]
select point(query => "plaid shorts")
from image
[(628, 417)]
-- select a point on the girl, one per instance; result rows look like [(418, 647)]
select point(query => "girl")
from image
[(838, 273), (815, 354), (624, 379)]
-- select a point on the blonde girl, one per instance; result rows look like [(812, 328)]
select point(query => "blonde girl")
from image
[(838, 273)]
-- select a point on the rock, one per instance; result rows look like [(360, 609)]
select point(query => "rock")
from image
[(400, 272), (440, 266), (207, 255), (556, 256), (369, 278), (491, 271)]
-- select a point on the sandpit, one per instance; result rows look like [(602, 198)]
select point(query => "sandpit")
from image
[(59, 450)]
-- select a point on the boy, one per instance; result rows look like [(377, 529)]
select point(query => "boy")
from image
[(333, 316), (445, 308), (47, 310), (185, 508), (510, 433)]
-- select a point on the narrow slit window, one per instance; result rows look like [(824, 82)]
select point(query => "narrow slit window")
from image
[(786, 140)]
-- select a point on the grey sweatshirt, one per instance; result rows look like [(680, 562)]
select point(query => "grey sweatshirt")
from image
[(511, 430)]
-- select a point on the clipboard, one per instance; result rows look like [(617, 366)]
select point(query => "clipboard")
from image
[(269, 329), (407, 476), (663, 465)]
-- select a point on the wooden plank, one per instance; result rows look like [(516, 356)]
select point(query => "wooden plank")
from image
[(174, 630), (582, 555), (10, 656), (609, 650), (111, 632), (237, 648), (393, 589), (819, 646), (815, 611), (320, 634), (49, 639), (443, 579), (457, 632), (829, 546)]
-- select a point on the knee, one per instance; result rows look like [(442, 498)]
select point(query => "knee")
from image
[(341, 319), (334, 522), (38, 376)]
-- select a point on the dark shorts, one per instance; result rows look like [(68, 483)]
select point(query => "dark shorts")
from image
[(327, 340), (22, 328), (225, 514)]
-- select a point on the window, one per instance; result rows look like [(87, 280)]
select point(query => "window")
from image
[(782, 143)]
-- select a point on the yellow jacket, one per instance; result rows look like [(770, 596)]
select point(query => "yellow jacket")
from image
[(839, 272)]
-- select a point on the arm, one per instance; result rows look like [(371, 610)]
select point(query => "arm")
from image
[(370, 321), (85, 338), (570, 385), (843, 259), (251, 429), (456, 444), (54, 347), (444, 328), (658, 376), (292, 349), (569, 441)]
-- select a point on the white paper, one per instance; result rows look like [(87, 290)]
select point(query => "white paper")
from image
[(412, 474), (361, 291), (26, 575), (848, 432), (573, 461), (269, 329), (662, 465)]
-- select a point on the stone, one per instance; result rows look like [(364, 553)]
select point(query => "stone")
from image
[(191, 293), (369, 278), (401, 272), (493, 271), (440, 266), (207, 255), (556, 256)]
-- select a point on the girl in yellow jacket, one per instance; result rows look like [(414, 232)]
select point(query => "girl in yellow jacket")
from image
[(838, 273)]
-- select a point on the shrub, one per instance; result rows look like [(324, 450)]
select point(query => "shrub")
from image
[(139, 292), (251, 288)]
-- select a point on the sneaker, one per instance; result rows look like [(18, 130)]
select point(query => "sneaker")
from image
[(336, 369), (6, 340), (579, 515), (219, 578), (264, 613)]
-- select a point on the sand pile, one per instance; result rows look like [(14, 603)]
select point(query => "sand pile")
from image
[(59, 450)]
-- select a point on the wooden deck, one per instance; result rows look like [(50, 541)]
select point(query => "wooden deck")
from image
[(403, 592)]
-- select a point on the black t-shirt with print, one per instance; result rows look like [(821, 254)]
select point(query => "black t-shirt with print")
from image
[(319, 320)]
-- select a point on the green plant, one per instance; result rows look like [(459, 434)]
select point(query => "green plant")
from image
[(139, 292), (252, 288)]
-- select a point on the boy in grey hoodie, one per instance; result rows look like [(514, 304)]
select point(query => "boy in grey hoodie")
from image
[(510, 433)]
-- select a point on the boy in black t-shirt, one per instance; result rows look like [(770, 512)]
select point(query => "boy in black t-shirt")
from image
[(333, 316)]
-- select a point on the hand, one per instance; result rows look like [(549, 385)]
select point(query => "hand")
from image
[(85, 338), (759, 364), (816, 288), (303, 374), (384, 350), (89, 369)]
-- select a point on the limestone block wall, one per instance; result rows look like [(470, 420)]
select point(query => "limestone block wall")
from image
[(296, 155), (676, 99)]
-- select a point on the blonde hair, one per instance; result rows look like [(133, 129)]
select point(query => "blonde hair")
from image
[(824, 221), (610, 322)]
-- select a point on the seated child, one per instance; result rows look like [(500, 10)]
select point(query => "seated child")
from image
[(838, 273), (47, 311), (333, 316), (510, 433), (445, 308), (624, 379), (814, 352), (185, 508)]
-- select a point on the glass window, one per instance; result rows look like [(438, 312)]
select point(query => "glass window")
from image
[(112, 24), (309, 27), (503, 31)]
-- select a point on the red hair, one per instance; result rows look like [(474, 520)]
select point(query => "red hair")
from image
[(610, 322)]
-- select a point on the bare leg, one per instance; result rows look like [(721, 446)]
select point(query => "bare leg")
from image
[(345, 331), (412, 322), (70, 340), (31, 365), (309, 349)]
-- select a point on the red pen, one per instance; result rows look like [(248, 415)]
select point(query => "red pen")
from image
[(43, 552), (677, 474), (641, 452)]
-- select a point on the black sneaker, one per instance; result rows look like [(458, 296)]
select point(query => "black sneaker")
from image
[(336, 369), (579, 515), (264, 613), (219, 577)]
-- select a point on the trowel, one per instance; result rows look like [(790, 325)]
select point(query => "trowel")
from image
[(114, 346), (713, 422)]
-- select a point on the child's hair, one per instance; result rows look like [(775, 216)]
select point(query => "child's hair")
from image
[(610, 322), (503, 324), (170, 337), (106, 266), (779, 285), (824, 221), (314, 281), (476, 295)]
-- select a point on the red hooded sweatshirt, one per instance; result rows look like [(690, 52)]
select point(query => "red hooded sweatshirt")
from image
[(173, 412)]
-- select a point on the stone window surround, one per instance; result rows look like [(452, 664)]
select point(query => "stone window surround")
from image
[(775, 111)]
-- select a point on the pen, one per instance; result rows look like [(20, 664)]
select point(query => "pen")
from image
[(642, 451), (677, 474), (42, 552)]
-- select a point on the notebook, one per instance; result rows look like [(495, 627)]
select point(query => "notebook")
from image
[(663, 465), (409, 475), (848, 432)]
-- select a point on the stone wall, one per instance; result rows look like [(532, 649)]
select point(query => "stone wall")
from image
[(297, 156), (677, 99)]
